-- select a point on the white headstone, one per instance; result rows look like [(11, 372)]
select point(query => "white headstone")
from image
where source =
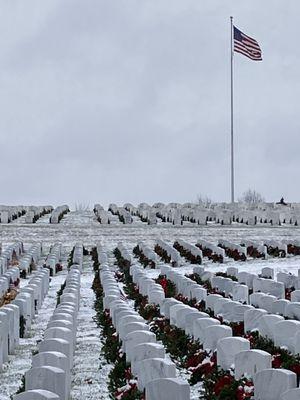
[(134, 338), (292, 394), (199, 293), (267, 272), (251, 319), (292, 310), (200, 325), (155, 368), (211, 299), (249, 362), (278, 307), (266, 325), (166, 305), (125, 329), (48, 378), (168, 389), (240, 293), (270, 384), (37, 394), (143, 351), (213, 334), (4, 331), (189, 321), (285, 332), (60, 345), (227, 349)]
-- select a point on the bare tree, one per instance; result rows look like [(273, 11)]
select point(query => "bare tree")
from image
[(203, 201), (82, 207), (251, 196)]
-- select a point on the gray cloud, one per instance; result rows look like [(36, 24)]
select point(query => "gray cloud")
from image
[(129, 101)]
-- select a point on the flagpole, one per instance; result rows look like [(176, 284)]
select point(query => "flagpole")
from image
[(231, 136)]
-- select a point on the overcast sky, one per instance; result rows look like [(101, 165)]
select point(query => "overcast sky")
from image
[(129, 100)]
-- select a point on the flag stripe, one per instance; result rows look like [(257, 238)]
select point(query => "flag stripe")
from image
[(251, 46), (249, 38), (251, 53), (246, 47), (254, 55), (247, 55), (241, 49)]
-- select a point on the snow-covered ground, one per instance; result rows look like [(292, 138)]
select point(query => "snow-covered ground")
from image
[(90, 371), (83, 226)]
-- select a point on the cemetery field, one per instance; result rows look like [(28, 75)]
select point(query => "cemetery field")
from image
[(155, 312)]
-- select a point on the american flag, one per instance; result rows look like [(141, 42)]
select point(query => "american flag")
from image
[(246, 45)]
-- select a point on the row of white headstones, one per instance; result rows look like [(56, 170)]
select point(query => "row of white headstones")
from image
[(200, 215), (33, 213), (156, 373), (50, 374), (25, 305), (214, 336), (221, 249), (268, 293), (58, 213), (284, 280)]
